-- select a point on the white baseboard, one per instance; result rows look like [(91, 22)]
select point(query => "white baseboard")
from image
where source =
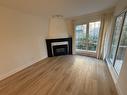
[(5, 75)]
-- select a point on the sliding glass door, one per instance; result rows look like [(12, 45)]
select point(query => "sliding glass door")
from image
[(87, 36), (119, 43), (121, 48), (116, 36)]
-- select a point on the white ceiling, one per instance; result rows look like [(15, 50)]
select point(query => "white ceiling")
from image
[(68, 8)]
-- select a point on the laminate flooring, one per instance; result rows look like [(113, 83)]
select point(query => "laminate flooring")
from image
[(63, 75)]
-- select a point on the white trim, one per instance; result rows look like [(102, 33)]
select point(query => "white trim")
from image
[(59, 43), (6, 75), (86, 52)]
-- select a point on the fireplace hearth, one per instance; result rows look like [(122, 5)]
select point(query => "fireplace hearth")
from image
[(57, 47)]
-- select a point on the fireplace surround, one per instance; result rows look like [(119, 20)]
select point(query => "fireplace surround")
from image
[(59, 46)]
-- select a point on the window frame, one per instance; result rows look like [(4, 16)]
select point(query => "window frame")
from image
[(124, 13), (88, 52), (113, 63)]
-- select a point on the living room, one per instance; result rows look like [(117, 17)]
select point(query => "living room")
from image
[(63, 47)]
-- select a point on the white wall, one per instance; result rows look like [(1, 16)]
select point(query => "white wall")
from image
[(122, 4), (122, 79), (22, 40), (57, 28)]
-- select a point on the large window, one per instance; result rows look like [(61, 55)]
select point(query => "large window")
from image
[(121, 48), (94, 28), (87, 36), (81, 37), (119, 42), (116, 36)]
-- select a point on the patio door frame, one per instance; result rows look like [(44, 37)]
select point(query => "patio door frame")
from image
[(88, 52), (124, 13)]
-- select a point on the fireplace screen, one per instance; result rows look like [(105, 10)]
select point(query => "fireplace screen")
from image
[(60, 50)]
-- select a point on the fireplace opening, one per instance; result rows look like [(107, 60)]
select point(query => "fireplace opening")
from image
[(60, 50)]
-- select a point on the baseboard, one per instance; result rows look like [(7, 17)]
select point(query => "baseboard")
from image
[(114, 77), (10, 73)]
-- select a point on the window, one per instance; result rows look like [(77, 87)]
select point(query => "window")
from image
[(87, 36), (121, 48), (116, 36), (94, 28), (81, 37)]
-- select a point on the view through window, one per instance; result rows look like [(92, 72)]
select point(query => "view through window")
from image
[(119, 43), (121, 48), (116, 36), (87, 36)]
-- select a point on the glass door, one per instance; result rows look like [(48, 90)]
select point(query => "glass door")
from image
[(81, 40), (94, 29), (119, 43), (116, 37), (87, 36), (121, 48)]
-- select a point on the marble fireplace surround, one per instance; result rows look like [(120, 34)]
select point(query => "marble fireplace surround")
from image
[(59, 41)]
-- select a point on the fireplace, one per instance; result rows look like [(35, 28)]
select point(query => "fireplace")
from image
[(60, 50), (57, 47)]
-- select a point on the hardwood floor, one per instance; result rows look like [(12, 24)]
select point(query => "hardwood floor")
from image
[(64, 75)]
